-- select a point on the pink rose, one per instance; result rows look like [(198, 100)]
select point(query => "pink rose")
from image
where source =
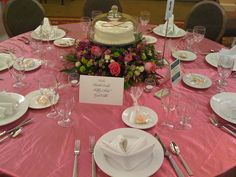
[(96, 51), (114, 68), (107, 52), (150, 67), (128, 57)]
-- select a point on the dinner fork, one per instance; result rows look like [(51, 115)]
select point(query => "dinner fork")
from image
[(92, 143), (76, 152)]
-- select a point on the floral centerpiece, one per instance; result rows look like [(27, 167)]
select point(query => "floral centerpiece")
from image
[(135, 62)]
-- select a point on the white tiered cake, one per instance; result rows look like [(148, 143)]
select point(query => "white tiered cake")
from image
[(114, 32)]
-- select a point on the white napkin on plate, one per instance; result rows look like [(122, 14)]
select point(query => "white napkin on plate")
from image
[(231, 52), (172, 28), (45, 29), (127, 153), (7, 104)]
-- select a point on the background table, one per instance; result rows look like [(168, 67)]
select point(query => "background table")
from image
[(45, 149)]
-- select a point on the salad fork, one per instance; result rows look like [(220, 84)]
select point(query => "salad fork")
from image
[(76, 152), (92, 143)]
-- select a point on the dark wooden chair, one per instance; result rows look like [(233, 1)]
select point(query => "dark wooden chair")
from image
[(22, 16), (100, 5), (209, 14)]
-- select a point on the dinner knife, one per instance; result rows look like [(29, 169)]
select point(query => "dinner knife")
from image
[(24, 122), (172, 161)]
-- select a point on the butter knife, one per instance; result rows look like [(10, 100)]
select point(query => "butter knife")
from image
[(24, 122), (172, 161)]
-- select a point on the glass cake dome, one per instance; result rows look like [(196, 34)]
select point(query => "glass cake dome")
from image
[(113, 28)]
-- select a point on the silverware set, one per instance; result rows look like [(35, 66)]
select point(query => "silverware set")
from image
[(92, 142), (76, 153), (15, 131), (24, 40), (228, 128)]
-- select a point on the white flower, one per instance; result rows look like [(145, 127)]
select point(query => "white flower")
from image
[(77, 64)]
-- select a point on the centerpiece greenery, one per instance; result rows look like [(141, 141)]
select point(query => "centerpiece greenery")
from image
[(134, 62)]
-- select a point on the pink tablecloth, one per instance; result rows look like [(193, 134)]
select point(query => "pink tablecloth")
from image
[(46, 150)]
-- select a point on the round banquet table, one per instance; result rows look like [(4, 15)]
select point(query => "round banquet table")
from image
[(45, 149)]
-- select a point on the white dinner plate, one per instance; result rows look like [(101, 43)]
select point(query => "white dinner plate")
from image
[(198, 81), (224, 105), (158, 31), (212, 59), (30, 64), (146, 168), (150, 39), (32, 98), (64, 42), (184, 55), (59, 33), (4, 59), (20, 110), (128, 117)]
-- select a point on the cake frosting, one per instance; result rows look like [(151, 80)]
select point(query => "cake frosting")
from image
[(114, 32)]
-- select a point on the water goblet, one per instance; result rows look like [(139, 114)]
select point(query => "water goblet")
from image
[(169, 100), (65, 111), (144, 19), (199, 33), (224, 67), (85, 23), (48, 86), (135, 93), (189, 39)]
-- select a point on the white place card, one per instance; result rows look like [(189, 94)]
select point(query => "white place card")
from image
[(101, 90), (175, 71)]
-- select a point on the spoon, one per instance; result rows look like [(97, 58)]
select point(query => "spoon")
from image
[(175, 149), (217, 124), (12, 134)]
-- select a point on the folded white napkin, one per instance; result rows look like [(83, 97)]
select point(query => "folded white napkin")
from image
[(7, 104), (127, 153), (46, 29), (231, 52), (172, 28)]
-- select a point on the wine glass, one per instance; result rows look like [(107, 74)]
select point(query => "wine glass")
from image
[(224, 67), (169, 100), (135, 93), (48, 86), (17, 72), (199, 33), (144, 19), (85, 23), (65, 110)]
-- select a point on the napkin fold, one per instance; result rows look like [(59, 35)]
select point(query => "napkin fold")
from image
[(126, 152), (46, 30), (7, 104), (230, 52), (172, 28)]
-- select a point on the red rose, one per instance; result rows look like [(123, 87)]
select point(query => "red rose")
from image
[(114, 68), (128, 57), (96, 51), (150, 67)]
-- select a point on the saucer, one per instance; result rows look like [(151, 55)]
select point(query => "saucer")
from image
[(64, 42), (128, 117), (150, 39), (30, 64), (198, 81), (184, 55)]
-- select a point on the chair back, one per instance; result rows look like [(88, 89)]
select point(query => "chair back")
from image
[(209, 14), (100, 5), (20, 16)]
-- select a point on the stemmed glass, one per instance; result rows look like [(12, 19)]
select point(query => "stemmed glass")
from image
[(169, 100), (189, 39), (224, 67), (17, 71), (144, 19), (135, 93), (48, 86), (85, 22), (199, 33)]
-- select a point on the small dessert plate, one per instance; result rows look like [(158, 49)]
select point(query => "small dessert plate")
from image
[(37, 101), (139, 117), (150, 39), (30, 64), (64, 42), (184, 55), (197, 81)]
